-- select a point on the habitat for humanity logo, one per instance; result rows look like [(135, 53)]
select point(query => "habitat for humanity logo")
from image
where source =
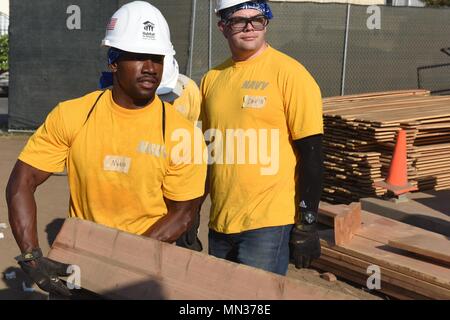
[(148, 31)]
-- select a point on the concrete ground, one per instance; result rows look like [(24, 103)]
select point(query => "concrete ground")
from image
[(52, 199)]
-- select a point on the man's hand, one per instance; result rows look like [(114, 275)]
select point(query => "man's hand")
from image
[(45, 272), (179, 218), (304, 245)]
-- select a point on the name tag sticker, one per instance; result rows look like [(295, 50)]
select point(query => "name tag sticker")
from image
[(255, 102), (117, 164)]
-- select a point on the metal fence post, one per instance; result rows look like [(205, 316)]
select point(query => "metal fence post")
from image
[(191, 42), (210, 35), (344, 64)]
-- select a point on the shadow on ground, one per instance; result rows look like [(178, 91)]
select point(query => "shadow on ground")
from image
[(16, 280), (440, 201)]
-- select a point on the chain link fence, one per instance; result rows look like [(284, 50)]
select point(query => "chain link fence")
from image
[(406, 50)]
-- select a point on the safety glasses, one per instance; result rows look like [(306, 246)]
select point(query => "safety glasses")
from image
[(258, 23)]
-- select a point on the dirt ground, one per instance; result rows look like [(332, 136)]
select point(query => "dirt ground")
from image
[(52, 199)]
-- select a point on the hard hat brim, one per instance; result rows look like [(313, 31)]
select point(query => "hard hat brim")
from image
[(136, 49)]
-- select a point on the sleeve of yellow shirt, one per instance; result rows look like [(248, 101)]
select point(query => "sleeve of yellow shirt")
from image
[(48, 147), (302, 103), (202, 115), (185, 179), (193, 93)]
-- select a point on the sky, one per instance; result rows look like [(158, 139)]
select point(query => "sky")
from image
[(4, 6)]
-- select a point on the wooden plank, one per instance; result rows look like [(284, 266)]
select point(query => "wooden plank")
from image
[(387, 275), (378, 231), (359, 107), (426, 246), (120, 265), (391, 284), (404, 272), (374, 95), (383, 229), (355, 277), (393, 110), (394, 103), (384, 256), (346, 220)]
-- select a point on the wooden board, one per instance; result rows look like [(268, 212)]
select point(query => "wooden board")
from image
[(120, 265), (346, 220), (402, 280), (406, 272), (392, 283), (371, 252), (429, 247)]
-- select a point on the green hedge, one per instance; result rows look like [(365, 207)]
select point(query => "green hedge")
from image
[(4, 53), (437, 3)]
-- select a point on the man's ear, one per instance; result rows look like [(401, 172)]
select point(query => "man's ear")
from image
[(113, 67), (222, 27)]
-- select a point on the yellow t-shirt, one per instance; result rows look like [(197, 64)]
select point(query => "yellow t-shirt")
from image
[(188, 101), (119, 168), (268, 100)]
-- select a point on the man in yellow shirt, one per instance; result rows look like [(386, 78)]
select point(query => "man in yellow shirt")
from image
[(262, 112), (179, 90), (117, 147), (183, 94)]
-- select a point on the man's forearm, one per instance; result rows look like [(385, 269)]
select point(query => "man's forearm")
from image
[(20, 190), (178, 219), (169, 228), (22, 216)]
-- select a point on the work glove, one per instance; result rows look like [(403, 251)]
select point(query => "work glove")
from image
[(45, 272), (189, 239), (304, 245)]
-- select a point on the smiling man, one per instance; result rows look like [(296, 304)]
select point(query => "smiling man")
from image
[(116, 146), (256, 218)]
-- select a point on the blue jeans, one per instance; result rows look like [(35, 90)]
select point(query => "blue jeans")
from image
[(264, 248)]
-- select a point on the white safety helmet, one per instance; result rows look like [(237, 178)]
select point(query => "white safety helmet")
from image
[(223, 4), (170, 75), (139, 27)]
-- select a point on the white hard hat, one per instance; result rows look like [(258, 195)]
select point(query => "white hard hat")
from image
[(139, 27), (223, 4), (170, 75)]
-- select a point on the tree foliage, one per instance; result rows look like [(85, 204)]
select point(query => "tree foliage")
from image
[(4, 48), (437, 3)]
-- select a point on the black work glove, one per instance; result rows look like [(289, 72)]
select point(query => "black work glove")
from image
[(45, 272), (189, 239), (304, 245)]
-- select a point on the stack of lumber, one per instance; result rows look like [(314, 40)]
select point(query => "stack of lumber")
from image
[(413, 263), (359, 140)]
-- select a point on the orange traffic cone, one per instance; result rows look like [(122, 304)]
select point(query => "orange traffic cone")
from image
[(397, 180)]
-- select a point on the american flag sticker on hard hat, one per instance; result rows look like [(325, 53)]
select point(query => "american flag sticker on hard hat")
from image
[(111, 24)]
